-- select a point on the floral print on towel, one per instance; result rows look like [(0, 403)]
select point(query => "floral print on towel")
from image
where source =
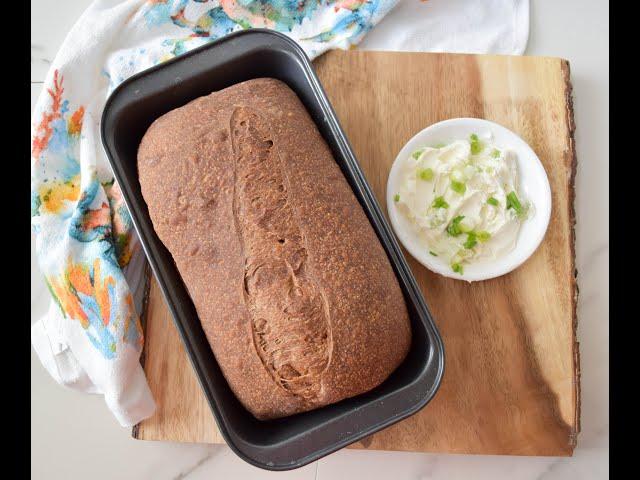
[(76, 215)]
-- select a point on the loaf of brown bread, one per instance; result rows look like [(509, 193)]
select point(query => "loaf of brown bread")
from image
[(294, 291)]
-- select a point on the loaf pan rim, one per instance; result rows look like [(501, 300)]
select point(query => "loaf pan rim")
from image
[(398, 258)]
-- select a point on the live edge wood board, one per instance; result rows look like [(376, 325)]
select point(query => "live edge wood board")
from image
[(511, 383)]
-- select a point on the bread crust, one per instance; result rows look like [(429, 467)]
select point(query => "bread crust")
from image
[(295, 294)]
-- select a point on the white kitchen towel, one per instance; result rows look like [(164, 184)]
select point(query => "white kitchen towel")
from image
[(457, 26), (90, 339)]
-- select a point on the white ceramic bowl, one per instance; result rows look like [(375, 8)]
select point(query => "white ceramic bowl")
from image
[(533, 183)]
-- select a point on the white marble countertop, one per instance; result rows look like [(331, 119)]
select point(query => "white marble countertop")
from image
[(74, 436)]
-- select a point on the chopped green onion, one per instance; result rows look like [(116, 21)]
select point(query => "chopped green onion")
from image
[(456, 267), (458, 187), (513, 202), (483, 236), (440, 145), (464, 228), (417, 153), (439, 202), (426, 174), (471, 241), (433, 253), (495, 153), (476, 144), (396, 197), (493, 201), (454, 227)]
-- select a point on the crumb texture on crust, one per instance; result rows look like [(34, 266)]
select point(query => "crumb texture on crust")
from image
[(289, 318)]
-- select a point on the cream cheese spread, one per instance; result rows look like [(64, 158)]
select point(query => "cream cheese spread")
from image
[(463, 200)]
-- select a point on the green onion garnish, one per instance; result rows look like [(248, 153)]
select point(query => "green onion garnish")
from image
[(440, 145), (439, 202), (513, 202), (483, 236), (493, 201), (458, 187), (417, 153), (495, 153), (476, 144), (426, 174), (471, 240), (464, 228), (433, 253), (454, 227), (456, 267), (396, 197)]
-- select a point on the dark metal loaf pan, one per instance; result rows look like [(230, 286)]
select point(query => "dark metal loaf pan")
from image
[(290, 442)]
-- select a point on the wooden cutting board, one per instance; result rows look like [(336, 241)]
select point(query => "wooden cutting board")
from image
[(511, 383)]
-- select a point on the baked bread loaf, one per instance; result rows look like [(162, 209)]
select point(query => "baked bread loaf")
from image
[(294, 291)]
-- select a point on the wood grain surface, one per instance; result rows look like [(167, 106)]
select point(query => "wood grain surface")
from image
[(511, 383)]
